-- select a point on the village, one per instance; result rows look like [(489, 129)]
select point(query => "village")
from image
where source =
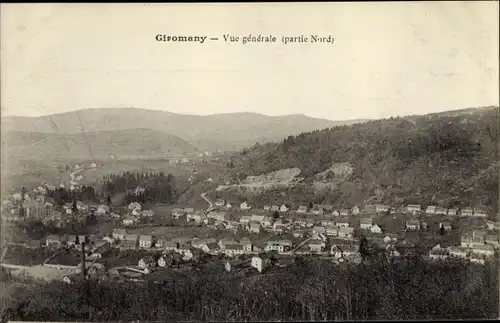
[(237, 235)]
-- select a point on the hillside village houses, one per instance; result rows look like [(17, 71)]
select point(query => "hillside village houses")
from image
[(413, 208), (245, 206), (366, 223), (413, 224)]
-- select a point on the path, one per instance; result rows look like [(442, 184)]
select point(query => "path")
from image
[(53, 255), (211, 206), (4, 252), (302, 243)]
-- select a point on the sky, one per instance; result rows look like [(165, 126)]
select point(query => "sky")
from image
[(388, 59)]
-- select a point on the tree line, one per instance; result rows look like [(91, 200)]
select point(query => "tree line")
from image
[(384, 289), (153, 186)]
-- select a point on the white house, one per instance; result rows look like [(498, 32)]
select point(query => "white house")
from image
[(431, 209), (457, 252), (346, 232), (229, 205), (413, 224), (119, 234), (355, 210), (260, 262), (245, 219), (245, 206), (128, 220), (267, 222), (284, 208), (145, 241), (335, 213), (254, 227), (486, 250), (467, 212), (302, 209), (135, 206), (413, 208), (342, 223), (365, 223), (375, 229), (380, 208)]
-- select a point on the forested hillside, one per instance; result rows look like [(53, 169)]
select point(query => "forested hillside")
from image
[(311, 290), (438, 158)]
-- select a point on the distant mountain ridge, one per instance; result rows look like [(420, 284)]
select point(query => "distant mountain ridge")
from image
[(232, 131), (98, 145)]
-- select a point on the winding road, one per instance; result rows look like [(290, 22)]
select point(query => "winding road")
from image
[(210, 204)]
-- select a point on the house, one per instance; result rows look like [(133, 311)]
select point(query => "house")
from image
[(136, 212), (438, 253), (274, 208), (217, 215), (413, 208), (234, 265), (319, 230), (170, 245), (477, 259), (33, 244), (375, 229), (335, 213), (148, 213), (491, 225), (325, 223), (316, 245), (342, 223), (480, 212), (247, 244), (302, 209), (355, 210), (485, 250), (211, 249), (145, 241), (327, 208), (412, 224), (467, 212), (335, 252), (267, 222), (274, 245), (445, 225), (160, 243), (256, 218), (220, 203), (317, 211), (310, 223), (254, 227), (232, 250), (165, 261), (245, 219), (283, 208), (279, 228), (119, 234), (365, 223), (332, 230), (468, 240), (102, 209), (128, 220), (298, 234), (229, 205), (245, 206), (431, 209), (267, 207), (346, 232), (479, 234), (492, 239), (226, 241), (458, 252), (440, 211), (391, 237), (195, 217), (129, 242), (71, 240), (380, 208), (261, 262), (452, 212), (285, 262), (53, 241), (146, 262), (344, 212), (135, 206), (176, 212)]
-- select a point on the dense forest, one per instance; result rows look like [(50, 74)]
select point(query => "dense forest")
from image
[(142, 187), (310, 290), (63, 195), (432, 159)]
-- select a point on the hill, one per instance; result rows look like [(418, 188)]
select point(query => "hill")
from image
[(101, 145), (213, 132), (450, 159)]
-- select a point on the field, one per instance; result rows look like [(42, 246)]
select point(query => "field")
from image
[(18, 255)]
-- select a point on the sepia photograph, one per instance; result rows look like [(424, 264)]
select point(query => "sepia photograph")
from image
[(266, 162)]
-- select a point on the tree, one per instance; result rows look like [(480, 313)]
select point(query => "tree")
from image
[(108, 200), (311, 205), (67, 168), (74, 208), (363, 248), (441, 230), (276, 215)]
